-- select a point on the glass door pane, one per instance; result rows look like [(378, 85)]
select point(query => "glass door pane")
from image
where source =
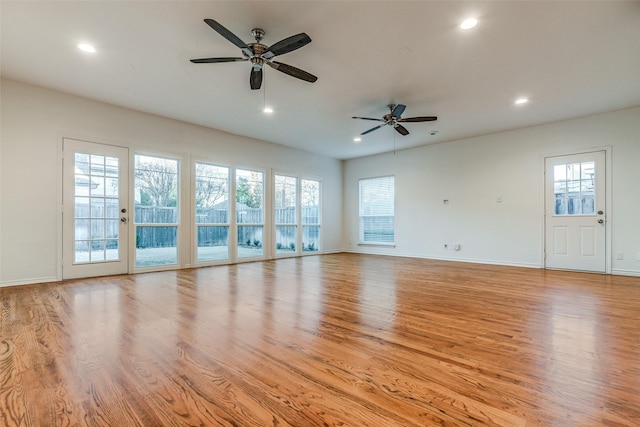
[(96, 231), (574, 188), (249, 212)]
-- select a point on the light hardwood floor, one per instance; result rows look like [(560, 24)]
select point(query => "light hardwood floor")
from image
[(337, 340)]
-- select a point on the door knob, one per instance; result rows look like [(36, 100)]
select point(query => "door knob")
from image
[(123, 220), (601, 221)]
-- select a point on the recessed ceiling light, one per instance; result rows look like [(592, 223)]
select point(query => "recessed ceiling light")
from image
[(86, 48), (521, 101), (267, 110), (357, 139), (468, 23)]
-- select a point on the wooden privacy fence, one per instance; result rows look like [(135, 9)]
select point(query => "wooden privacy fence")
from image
[(213, 227), (244, 215), (155, 215), (156, 236)]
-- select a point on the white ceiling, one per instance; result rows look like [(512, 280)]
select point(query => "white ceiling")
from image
[(571, 58)]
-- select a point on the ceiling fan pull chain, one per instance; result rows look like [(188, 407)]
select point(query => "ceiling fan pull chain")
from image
[(394, 142), (264, 93)]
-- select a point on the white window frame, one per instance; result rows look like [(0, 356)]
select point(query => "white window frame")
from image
[(231, 244), (179, 212), (364, 206), (300, 226), (296, 220), (236, 225), (318, 224)]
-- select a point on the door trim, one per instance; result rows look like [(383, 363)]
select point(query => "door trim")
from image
[(608, 154), (61, 137)]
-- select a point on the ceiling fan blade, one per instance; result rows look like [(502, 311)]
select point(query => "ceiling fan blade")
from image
[(367, 118), (255, 78), (398, 110), (419, 119), (372, 129), (293, 71), (287, 45), (401, 130), (220, 29), (215, 60)]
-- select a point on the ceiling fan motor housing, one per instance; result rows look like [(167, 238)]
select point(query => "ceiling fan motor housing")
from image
[(258, 34)]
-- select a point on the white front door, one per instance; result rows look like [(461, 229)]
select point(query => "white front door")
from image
[(575, 217), (95, 209)]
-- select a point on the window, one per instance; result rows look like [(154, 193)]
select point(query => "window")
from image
[(377, 210), (296, 229), (156, 210), (249, 212), (212, 212), (574, 188), (286, 218), (310, 207)]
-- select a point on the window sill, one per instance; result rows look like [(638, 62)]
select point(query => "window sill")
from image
[(388, 245)]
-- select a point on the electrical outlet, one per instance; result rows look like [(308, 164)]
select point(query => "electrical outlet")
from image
[(619, 255)]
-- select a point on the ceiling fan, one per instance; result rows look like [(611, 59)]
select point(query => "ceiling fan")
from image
[(393, 119), (260, 54)]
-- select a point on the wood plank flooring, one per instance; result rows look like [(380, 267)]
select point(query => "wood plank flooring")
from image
[(332, 340)]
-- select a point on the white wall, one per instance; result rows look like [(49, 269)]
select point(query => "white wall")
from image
[(473, 172), (33, 122), (470, 173)]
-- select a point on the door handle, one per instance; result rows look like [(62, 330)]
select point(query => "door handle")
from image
[(123, 220), (601, 221)]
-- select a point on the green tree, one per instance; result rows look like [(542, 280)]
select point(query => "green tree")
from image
[(249, 195)]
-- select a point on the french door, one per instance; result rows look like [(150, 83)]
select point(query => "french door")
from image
[(95, 214), (575, 217)]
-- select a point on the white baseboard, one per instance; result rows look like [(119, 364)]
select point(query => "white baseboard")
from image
[(30, 281), (467, 260), (491, 262), (332, 251), (619, 272)]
